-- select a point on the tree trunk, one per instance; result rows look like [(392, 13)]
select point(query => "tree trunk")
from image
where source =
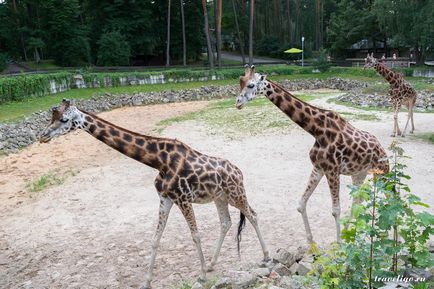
[(288, 15), (238, 33), (252, 14), (184, 41), (208, 39), (168, 35), (23, 46), (218, 24)]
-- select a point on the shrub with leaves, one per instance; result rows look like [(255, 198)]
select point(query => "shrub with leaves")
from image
[(383, 233), (113, 49), (322, 63)]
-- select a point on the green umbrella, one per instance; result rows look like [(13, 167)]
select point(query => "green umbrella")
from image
[(293, 50)]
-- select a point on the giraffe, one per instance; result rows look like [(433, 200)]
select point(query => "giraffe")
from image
[(400, 92), (339, 148), (185, 176)]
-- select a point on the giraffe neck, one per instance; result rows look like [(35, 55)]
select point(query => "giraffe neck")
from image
[(310, 118), (142, 148), (389, 75)]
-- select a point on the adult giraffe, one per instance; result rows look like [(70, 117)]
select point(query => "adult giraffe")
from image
[(339, 149), (400, 92), (185, 176)]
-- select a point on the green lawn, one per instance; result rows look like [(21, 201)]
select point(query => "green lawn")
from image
[(43, 65), (14, 110)]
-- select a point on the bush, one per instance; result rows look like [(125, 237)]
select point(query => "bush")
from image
[(113, 50), (3, 58), (75, 52), (321, 63), (371, 243)]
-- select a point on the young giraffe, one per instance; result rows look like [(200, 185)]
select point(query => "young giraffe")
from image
[(339, 147), (185, 176), (401, 92)]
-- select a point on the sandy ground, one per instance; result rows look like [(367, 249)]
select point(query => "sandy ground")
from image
[(95, 229)]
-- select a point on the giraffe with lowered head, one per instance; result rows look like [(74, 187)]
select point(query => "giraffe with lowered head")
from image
[(339, 148), (400, 92), (186, 176)]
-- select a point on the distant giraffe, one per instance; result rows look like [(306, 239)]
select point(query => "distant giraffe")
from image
[(339, 147), (401, 92), (185, 176)]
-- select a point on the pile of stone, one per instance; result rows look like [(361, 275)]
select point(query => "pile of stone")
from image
[(330, 83), (424, 100), (24, 132), (287, 269), (14, 136)]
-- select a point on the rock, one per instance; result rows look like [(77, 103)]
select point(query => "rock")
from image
[(284, 257), (303, 268), (197, 285), (417, 273), (222, 283), (393, 285), (261, 272), (275, 287), (281, 269)]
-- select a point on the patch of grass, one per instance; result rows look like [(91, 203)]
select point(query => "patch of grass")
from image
[(359, 116), (47, 180), (43, 64), (428, 137), (257, 117)]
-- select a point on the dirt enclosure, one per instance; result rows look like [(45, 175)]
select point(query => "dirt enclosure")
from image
[(95, 229)]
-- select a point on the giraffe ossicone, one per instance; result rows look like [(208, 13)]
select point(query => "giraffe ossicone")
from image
[(185, 176), (339, 149)]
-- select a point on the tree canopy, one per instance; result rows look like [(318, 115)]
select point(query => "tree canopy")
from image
[(78, 32)]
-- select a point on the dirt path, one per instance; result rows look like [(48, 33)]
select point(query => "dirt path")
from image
[(95, 230)]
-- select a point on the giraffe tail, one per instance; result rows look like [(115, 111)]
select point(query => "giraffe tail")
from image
[(241, 226)]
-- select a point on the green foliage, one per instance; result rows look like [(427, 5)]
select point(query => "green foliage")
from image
[(371, 246), (3, 58), (113, 50), (321, 63), (407, 13), (20, 87)]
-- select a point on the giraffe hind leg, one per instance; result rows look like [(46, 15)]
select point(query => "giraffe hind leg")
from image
[(242, 205), (334, 182), (409, 117), (315, 178), (225, 224)]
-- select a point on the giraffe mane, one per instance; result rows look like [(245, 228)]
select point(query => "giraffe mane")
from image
[(122, 128)]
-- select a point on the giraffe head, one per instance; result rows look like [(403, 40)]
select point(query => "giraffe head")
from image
[(250, 84), (370, 61), (64, 118)]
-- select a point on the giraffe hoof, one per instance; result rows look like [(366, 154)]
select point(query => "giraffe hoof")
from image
[(201, 280), (209, 268)]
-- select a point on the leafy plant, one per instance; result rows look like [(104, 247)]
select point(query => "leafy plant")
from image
[(113, 49), (322, 63), (383, 233)]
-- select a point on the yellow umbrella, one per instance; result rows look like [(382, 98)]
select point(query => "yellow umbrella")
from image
[(293, 50)]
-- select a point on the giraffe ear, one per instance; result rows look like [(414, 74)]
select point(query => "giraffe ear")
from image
[(66, 103), (246, 70)]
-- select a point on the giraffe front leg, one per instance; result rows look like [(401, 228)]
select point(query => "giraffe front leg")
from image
[(165, 206), (333, 181), (225, 224), (315, 178), (187, 211)]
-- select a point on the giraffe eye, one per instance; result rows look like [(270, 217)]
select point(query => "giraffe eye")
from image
[(251, 86), (63, 120)]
